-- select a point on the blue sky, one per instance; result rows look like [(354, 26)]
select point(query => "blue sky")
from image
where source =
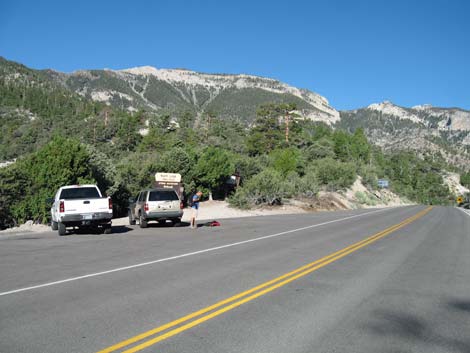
[(352, 52)]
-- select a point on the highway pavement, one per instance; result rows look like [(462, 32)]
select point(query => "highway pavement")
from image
[(376, 280)]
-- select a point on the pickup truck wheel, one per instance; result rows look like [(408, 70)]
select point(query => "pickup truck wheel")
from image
[(107, 230), (62, 228), (54, 225), (175, 221), (142, 222), (131, 219)]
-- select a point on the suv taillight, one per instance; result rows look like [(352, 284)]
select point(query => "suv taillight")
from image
[(110, 204), (146, 207), (181, 205), (61, 207)]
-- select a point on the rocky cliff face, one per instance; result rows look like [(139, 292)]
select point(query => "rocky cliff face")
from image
[(422, 129), (442, 119)]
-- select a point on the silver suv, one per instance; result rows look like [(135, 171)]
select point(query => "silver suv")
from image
[(155, 205)]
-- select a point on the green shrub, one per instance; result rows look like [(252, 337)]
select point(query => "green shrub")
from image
[(364, 199), (240, 199), (285, 160), (310, 185), (267, 187), (333, 174), (369, 177), (249, 166), (60, 162), (323, 148), (213, 168), (293, 185)]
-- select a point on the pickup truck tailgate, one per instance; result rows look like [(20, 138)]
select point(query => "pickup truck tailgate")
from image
[(86, 206)]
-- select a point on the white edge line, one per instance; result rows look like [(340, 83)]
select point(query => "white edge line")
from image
[(48, 284), (464, 211)]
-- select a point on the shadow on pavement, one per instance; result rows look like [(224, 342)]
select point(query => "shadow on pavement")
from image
[(120, 230), (410, 327), (92, 231), (182, 224), (166, 225), (463, 305)]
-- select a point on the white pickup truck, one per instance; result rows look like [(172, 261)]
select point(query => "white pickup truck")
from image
[(81, 206)]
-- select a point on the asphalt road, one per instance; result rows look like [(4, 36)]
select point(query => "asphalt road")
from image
[(261, 284)]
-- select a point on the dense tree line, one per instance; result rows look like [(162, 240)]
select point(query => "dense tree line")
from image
[(272, 163)]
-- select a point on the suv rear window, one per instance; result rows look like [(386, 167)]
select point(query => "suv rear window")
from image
[(169, 195), (79, 193)]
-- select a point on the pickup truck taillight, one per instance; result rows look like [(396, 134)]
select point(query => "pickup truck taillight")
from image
[(181, 205), (110, 204), (146, 207), (61, 207)]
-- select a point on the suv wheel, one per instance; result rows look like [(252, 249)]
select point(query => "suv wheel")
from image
[(131, 219), (142, 222), (54, 225)]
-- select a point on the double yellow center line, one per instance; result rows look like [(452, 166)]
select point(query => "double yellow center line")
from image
[(184, 323)]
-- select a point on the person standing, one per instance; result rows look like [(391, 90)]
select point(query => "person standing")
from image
[(195, 208)]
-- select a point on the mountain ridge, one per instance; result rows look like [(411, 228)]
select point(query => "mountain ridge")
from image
[(459, 118), (133, 89)]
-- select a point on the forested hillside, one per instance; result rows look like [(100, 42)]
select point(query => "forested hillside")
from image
[(59, 137)]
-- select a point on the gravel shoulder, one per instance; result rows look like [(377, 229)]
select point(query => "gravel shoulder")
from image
[(215, 210)]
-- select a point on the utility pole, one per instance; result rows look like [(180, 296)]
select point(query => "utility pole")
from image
[(287, 126), (94, 130), (208, 125)]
